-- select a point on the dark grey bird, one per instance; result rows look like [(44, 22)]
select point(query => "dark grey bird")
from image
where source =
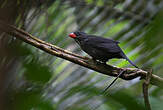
[(99, 48)]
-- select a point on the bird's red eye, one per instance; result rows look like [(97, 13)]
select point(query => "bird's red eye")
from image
[(72, 35)]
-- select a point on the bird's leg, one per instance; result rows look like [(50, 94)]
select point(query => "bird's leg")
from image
[(95, 60)]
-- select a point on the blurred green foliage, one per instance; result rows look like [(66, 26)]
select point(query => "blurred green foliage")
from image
[(37, 73), (28, 100)]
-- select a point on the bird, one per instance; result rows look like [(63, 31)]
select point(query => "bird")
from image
[(99, 48)]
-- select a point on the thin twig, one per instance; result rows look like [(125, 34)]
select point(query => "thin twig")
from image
[(104, 91), (113, 81), (145, 90)]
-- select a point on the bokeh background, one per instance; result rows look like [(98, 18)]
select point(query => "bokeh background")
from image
[(31, 79)]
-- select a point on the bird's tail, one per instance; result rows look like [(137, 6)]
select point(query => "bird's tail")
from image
[(124, 56)]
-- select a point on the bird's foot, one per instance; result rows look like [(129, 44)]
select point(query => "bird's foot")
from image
[(98, 61)]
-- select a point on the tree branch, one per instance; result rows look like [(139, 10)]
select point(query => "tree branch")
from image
[(145, 90), (130, 73)]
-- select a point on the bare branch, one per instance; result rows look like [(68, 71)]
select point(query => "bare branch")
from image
[(130, 73), (145, 90)]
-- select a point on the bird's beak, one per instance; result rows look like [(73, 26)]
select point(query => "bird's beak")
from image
[(72, 35)]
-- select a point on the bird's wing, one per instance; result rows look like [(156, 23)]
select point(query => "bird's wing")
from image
[(101, 39), (107, 45), (110, 48)]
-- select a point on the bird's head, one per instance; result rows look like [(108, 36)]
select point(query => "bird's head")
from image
[(76, 34)]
